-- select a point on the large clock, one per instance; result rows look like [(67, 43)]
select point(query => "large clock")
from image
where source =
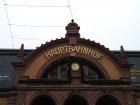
[(75, 66)]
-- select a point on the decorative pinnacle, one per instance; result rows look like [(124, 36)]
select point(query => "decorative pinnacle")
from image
[(123, 57), (21, 53), (72, 20), (72, 29)]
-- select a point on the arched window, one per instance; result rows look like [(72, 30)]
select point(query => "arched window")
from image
[(107, 100), (90, 72), (60, 70), (76, 100), (43, 100)]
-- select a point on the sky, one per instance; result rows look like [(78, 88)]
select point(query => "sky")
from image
[(33, 22)]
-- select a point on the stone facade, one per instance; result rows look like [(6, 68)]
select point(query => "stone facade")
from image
[(30, 88)]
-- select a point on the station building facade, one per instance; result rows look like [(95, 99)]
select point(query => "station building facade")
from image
[(69, 71)]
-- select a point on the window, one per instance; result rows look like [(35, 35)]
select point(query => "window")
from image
[(57, 72), (61, 70), (89, 73)]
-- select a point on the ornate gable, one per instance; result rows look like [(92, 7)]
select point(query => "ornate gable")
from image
[(70, 46)]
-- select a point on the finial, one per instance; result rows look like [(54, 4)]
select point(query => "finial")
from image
[(72, 29), (123, 57), (72, 20)]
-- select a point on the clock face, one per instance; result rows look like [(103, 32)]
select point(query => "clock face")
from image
[(75, 66)]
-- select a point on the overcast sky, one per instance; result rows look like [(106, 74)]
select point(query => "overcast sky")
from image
[(110, 22)]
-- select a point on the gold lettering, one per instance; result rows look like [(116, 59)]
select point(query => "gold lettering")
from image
[(79, 49), (61, 49), (76, 49), (48, 55), (52, 52), (57, 50), (90, 52), (95, 54), (66, 48), (85, 50), (69, 49), (135, 72), (100, 56)]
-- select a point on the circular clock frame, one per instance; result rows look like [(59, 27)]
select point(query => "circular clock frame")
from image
[(75, 66)]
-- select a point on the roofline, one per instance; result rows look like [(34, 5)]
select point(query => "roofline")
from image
[(11, 52), (129, 53)]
